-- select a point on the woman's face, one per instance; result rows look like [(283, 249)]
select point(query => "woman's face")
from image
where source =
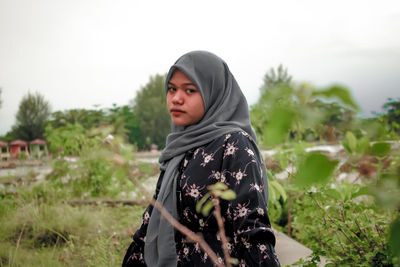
[(184, 100)]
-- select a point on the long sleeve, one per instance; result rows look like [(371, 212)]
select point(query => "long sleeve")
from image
[(247, 213)]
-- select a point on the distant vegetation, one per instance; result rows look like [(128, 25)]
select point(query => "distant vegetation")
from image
[(308, 113)]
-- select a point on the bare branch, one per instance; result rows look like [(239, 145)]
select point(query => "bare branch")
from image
[(187, 232), (217, 214)]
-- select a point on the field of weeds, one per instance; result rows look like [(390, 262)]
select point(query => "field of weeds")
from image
[(71, 217)]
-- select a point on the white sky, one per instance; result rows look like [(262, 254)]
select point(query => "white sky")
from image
[(79, 53)]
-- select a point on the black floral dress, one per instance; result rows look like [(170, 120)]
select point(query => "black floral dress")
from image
[(228, 159)]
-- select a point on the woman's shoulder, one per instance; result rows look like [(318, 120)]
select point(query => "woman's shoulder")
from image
[(231, 141), (225, 143), (240, 137)]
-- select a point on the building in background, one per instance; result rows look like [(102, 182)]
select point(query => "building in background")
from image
[(19, 149), (4, 151), (38, 149)]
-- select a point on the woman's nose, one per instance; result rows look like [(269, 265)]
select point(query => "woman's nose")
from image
[(178, 97)]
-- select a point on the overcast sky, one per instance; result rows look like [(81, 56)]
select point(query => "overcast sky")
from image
[(80, 53)]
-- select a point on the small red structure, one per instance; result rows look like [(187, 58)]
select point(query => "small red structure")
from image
[(19, 148)]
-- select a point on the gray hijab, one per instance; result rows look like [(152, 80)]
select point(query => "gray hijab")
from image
[(225, 111)]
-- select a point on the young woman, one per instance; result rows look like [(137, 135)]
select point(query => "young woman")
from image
[(211, 141)]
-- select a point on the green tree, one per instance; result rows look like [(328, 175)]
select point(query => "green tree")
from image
[(392, 107), (150, 109), (287, 110), (121, 118), (67, 140), (125, 122), (275, 85), (88, 118), (276, 78), (32, 115)]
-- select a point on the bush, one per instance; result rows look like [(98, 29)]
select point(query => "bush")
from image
[(336, 222)]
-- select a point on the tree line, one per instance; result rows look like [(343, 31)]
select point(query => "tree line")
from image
[(143, 122), (310, 114)]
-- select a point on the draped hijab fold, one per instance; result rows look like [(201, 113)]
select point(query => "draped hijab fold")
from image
[(225, 111)]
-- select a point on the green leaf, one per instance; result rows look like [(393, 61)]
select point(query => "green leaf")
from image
[(198, 206), (234, 261), (279, 125), (333, 193), (363, 145), (351, 141), (216, 192), (340, 93), (345, 144), (228, 195), (394, 239), (380, 149), (201, 202), (316, 169), (218, 186), (272, 197), (274, 185), (361, 192), (207, 207)]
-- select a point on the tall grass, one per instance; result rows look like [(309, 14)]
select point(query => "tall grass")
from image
[(40, 228)]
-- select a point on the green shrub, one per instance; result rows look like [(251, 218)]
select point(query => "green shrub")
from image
[(338, 223)]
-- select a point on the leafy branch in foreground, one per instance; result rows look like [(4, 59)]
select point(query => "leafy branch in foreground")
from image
[(186, 231), (211, 199), (218, 190)]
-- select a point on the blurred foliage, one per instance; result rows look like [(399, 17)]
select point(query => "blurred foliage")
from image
[(300, 112), (33, 113), (340, 93), (392, 108), (87, 118), (121, 118), (287, 111), (67, 140), (276, 78), (316, 168), (105, 162), (350, 224), (150, 109), (354, 145)]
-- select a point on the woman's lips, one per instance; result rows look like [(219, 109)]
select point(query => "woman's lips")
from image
[(176, 111)]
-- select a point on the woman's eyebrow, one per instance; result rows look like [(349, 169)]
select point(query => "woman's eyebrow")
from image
[(183, 84)]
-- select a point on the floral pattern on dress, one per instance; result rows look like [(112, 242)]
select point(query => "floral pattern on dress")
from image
[(229, 159)]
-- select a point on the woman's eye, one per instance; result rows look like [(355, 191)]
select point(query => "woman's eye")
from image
[(171, 89), (191, 90)]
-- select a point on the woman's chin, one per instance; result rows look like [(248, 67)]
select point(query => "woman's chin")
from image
[(179, 123)]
